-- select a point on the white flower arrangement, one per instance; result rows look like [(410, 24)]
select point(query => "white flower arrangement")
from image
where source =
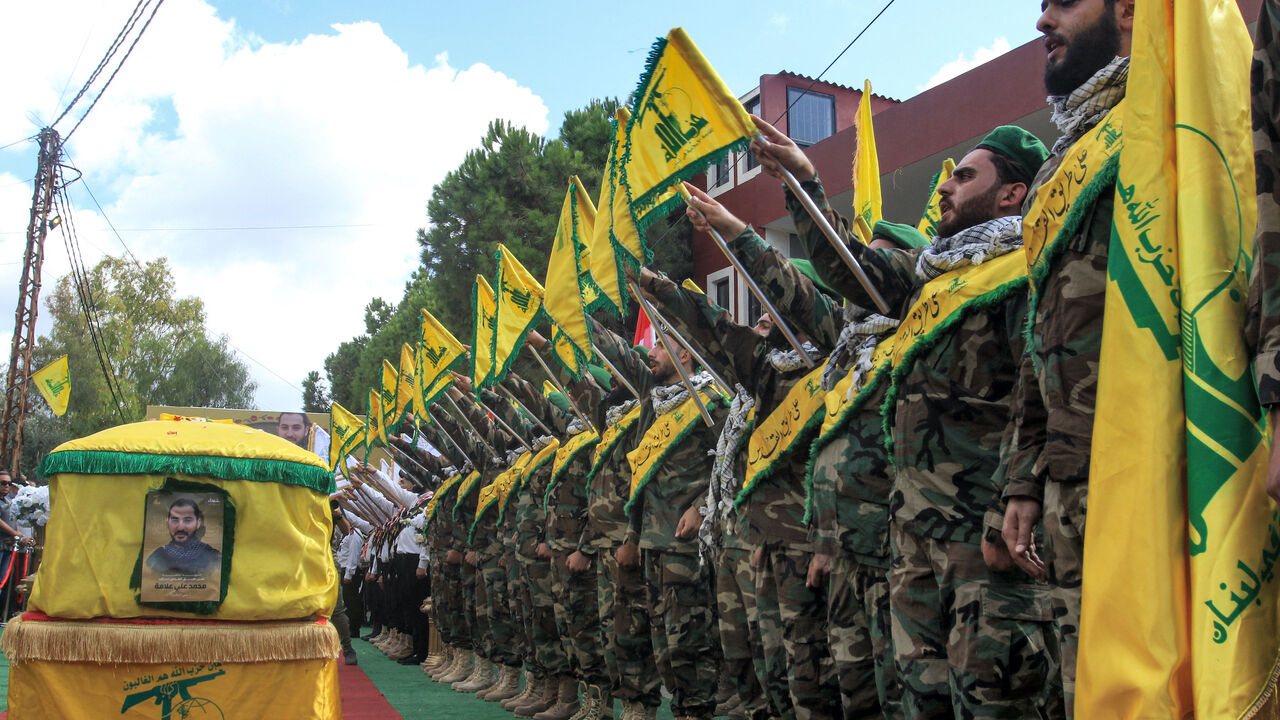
[(31, 505)]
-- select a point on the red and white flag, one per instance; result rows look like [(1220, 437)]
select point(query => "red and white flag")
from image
[(644, 331)]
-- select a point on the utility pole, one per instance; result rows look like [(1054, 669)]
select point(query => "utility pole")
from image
[(24, 325)]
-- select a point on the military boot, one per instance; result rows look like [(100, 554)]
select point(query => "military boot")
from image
[(566, 702), (545, 698), (532, 688), (448, 666), (508, 685), (461, 670), (481, 677)]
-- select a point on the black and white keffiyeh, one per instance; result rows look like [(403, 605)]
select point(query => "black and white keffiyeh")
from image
[(971, 246), (1085, 106)]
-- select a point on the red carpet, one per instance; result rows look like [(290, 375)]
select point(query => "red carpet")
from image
[(360, 699)]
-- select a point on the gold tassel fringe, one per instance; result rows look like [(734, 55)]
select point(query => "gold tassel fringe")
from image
[(114, 643)]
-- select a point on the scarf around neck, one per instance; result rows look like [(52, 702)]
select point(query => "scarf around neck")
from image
[(971, 246), (1084, 107), (666, 398)]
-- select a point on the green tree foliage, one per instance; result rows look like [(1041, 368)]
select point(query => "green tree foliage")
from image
[(159, 348), (509, 190), (315, 397)]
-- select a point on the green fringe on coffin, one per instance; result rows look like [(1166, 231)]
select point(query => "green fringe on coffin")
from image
[(110, 462)]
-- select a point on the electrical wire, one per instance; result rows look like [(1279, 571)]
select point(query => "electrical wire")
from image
[(833, 62)]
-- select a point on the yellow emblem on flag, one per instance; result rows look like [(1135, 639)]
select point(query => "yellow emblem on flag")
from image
[(404, 383), (569, 281), (438, 349), (683, 119), (375, 432), (519, 299), (346, 433), (1180, 603), (54, 383), (390, 385), (932, 214), (866, 167), (482, 338)]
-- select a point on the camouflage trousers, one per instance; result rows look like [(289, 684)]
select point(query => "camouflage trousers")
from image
[(548, 644), (503, 644), (470, 618), (454, 624), (740, 631), (522, 611), (967, 641), (859, 632), (577, 608), (686, 643), (1065, 507), (797, 634), (624, 612)]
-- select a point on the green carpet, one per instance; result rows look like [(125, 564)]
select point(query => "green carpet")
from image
[(415, 696)]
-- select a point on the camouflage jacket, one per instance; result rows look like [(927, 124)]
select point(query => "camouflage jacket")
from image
[(1262, 329), (681, 481), (953, 403), (1057, 385), (565, 506), (608, 490), (849, 482), (773, 509)]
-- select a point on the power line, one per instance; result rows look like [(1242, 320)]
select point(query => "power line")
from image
[(833, 62), (231, 229)]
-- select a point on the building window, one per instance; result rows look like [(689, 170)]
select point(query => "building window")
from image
[(753, 108), (811, 117), (719, 176), (753, 308), (720, 293), (795, 248)]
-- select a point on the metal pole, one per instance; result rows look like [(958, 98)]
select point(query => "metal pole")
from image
[(503, 423), (615, 372), (467, 420), (764, 301), (406, 456), (654, 314), (522, 406), (554, 381), (444, 433), (834, 238), (675, 360)]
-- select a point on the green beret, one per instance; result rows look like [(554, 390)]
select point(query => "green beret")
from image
[(806, 268), (642, 350), (600, 375), (558, 400), (904, 236), (1021, 148)]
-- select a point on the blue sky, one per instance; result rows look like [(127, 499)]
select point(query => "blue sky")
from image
[(277, 114)]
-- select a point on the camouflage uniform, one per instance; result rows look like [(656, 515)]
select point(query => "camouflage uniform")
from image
[(771, 513), (576, 597), (624, 614), (849, 492), (681, 605), (966, 640), (1263, 328), (1056, 396)]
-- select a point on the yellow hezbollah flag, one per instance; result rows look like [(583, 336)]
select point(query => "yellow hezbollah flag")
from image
[(614, 229), (438, 349), (866, 165), (482, 338), (567, 282), (683, 119), (405, 383), (390, 384), (932, 215), (519, 307), (346, 433), (376, 432), (54, 382), (1180, 611)]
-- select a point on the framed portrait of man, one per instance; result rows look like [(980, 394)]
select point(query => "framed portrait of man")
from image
[(182, 547)]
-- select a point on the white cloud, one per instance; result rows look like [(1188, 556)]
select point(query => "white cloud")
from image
[(780, 22), (964, 63), (210, 127)]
